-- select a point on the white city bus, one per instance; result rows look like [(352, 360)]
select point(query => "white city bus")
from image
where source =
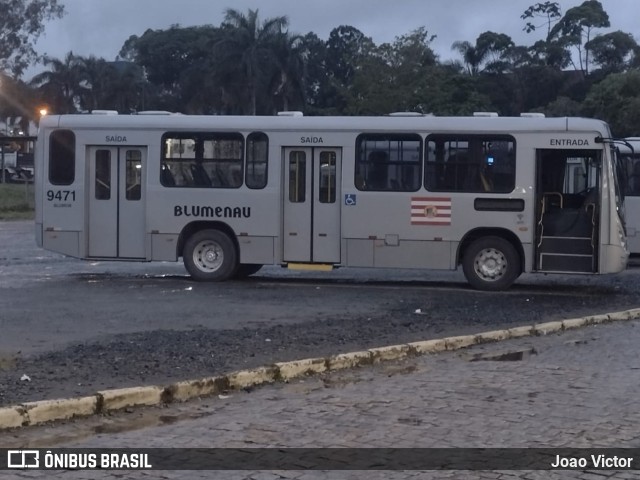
[(498, 196), (629, 153)]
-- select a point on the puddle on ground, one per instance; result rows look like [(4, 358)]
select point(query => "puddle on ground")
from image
[(74, 431), (504, 356)]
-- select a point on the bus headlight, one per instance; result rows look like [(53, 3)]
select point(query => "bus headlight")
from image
[(622, 236)]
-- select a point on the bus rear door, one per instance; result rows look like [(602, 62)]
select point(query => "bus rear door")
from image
[(312, 205), (116, 202)]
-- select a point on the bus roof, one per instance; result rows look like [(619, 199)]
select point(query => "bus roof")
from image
[(300, 123)]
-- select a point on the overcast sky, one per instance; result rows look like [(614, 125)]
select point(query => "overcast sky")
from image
[(99, 27)]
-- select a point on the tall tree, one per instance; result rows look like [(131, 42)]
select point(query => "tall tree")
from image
[(115, 85), (179, 66), (248, 49), (576, 29), (21, 23), (317, 79), (288, 81), (549, 51), (346, 50), (490, 48), (471, 56), (613, 51), (63, 84), (550, 12)]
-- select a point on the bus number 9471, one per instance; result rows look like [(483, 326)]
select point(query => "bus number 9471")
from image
[(61, 195)]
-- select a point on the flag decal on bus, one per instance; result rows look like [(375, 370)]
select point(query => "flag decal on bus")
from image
[(430, 210)]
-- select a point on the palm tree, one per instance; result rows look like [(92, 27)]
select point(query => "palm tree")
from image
[(248, 54), (96, 77), (62, 84), (472, 56), (288, 79)]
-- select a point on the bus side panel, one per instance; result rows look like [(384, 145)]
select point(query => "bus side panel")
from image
[(63, 207), (632, 212), (413, 254), (252, 214), (260, 250), (67, 243), (164, 246)]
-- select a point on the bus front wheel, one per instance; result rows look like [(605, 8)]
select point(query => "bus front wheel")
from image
[(491, 263), (210, 255)]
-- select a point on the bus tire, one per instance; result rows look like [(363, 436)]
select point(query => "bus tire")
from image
[(247, 269), (210, 256), (491, 263)]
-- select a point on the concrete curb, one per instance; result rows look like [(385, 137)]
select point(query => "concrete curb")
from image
[(35, 413)]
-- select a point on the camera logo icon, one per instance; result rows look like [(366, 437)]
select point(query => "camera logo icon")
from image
[(23, 459)]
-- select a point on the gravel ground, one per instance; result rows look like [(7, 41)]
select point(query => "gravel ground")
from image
[(159, 357)]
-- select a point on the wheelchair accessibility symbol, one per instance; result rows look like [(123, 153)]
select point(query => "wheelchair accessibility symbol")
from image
[(349, 199)]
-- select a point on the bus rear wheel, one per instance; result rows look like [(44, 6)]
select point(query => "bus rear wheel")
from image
[(210, 256), (491, 263)]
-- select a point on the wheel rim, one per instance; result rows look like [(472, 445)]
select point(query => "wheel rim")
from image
[(208, 256), (490, 264)]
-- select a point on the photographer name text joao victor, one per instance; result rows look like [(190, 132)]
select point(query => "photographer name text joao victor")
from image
[(592, 461)]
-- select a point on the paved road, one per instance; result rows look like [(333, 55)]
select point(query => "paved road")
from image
[(75, 327), (48, 301), (579, 389)]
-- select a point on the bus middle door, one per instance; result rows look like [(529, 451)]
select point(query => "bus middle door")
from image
[(311, 227), (116, 214)]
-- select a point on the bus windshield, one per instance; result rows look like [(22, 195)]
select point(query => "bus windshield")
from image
[(619, 179)]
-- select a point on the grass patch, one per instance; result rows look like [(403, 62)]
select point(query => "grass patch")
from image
[(17, 201)]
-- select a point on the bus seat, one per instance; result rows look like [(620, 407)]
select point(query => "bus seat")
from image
[(377, 174), (166, 177), (591, 199), (200, 177)]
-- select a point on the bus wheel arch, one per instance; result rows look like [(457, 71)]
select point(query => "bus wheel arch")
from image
[(209, 251), (492, 259)]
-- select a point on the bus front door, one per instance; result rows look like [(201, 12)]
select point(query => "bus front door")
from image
[(568, 210), (312, 179), (116, 223)]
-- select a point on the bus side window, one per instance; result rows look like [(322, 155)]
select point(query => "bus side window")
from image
[(202, 159), (62, 157), (257, 160), (634, 180), (388, 162), (470, 163)]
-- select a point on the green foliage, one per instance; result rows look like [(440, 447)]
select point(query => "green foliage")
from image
[(251, 66), (612, 51), (61, 85), (16, 201), (21, 23), (179, 68), (576, 27), (616, 99), (550, 11), (18, 101), (563, 107)]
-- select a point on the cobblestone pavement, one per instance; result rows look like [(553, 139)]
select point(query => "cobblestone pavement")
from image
[(577, 389)]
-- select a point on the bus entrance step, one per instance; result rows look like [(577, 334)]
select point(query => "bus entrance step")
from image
[(566, 245), (318, 267), (553, 262)]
